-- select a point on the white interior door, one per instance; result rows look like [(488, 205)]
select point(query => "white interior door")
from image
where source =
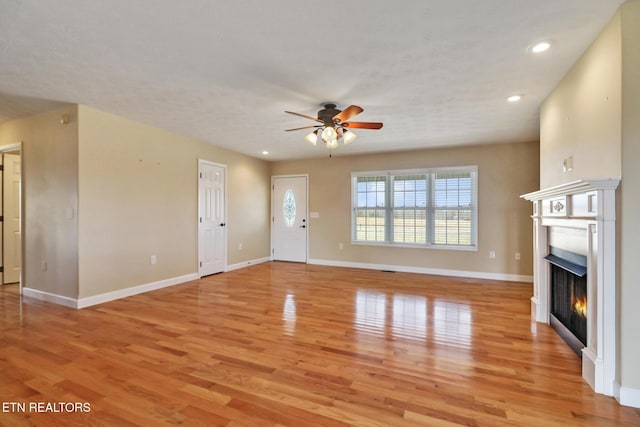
[(212, 236), (11, 236), (289, 218)]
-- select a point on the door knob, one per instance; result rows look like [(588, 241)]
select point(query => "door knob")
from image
[(222, 224), (303, 226)]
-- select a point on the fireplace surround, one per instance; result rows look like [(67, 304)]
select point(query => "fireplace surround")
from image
[(580, 217)]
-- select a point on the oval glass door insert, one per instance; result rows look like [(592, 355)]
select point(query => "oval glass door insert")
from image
[(289, 208)]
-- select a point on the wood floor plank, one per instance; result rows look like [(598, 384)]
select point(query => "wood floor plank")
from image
[(285, 344)]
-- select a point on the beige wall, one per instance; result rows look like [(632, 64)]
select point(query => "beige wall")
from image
[(630, 199), (581, 117), (593, 114), (505, 172), (138, 197), (50, 190), (248, 209)]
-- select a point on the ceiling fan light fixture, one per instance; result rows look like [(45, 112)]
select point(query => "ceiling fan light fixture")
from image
[(332, 143), (334, 124), (349, 136), (329, 135), (312, 138)]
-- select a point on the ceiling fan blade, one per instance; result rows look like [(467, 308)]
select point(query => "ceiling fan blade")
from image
[(306, 117), (304, 127), (347, 113), (362, 125)]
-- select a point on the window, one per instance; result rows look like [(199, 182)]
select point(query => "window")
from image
[(425, 207)]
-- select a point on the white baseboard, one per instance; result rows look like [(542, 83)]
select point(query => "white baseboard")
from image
[(127, 292), (424, 270), (627, 396), (107, 296), (135, 290), (247, 263), (49, 297)]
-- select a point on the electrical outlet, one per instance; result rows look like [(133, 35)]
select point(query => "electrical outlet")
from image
[(153, 260), (239, 246), (341, 246), (517, 256), (43, 265), (492, 254)]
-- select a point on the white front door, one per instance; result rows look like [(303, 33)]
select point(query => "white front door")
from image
[(289, 218), (12, 252), (211, 218)]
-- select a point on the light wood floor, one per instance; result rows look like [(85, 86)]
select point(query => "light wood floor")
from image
[(298, 345)]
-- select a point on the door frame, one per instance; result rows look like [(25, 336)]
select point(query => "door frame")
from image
[(18, 146), (224, 197), (300, 175)]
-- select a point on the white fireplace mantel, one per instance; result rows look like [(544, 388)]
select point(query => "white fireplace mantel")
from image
[(587, 204), (579, 186)]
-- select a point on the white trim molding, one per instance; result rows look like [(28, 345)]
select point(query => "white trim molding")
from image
[(425, 270), (628, 396), (135, 290), (244, 264), (78, 303), (49, 297), (574, 187)]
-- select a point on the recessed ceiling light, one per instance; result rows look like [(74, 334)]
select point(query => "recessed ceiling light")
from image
[(265, 152), (540, 47), (514, 98)]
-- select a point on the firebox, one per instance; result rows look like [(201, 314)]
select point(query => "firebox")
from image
[(569, 296)]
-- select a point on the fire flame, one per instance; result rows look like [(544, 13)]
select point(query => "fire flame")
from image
[(580, 307)]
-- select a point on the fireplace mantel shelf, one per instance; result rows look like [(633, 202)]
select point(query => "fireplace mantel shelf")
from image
[(574, 187)]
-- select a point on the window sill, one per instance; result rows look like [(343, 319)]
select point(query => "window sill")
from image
[(473, 248)]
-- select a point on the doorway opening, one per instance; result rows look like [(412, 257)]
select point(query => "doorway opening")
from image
[(11, 221)]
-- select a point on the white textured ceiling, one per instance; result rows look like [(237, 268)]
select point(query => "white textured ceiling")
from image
[(437, 73)]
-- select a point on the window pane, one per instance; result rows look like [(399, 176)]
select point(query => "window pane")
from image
[(452, 189), (370, 213), (410, 191), (410, 226), (370, 224), (452, 227), (370, 191), (409, 214)]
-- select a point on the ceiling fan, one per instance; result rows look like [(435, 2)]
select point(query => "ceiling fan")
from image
[(334, 125)]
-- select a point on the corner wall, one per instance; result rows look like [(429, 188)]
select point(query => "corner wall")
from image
[(50, 190), (138, 197), (629, 245), (505, 171)]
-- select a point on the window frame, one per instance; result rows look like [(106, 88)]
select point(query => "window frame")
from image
[(430, 208)]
